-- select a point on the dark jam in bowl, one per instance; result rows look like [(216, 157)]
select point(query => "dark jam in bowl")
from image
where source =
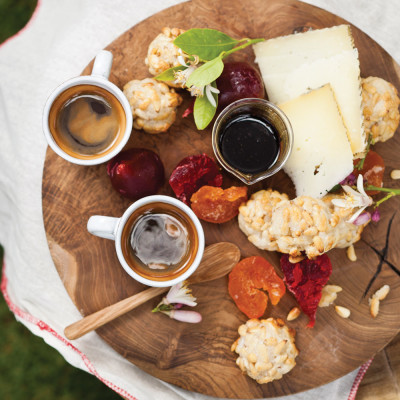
[(249, 143)]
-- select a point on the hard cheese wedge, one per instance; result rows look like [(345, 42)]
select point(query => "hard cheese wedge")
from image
[(303, 47), (321, 156), (292, 65)]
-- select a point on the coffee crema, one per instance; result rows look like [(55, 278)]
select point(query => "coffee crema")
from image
[(159, 242), (87, 121)]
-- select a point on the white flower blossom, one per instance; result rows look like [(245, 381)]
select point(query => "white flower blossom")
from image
[(181, 58), (183, 75), (185, 60), (180, 293), (198, 91), (354, 199), (209, 91)]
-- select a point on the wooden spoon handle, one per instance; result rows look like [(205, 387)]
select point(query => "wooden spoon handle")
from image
[(218, 260), (101, 317)]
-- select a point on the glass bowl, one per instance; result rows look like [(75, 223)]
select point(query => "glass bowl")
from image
[(256, 108)]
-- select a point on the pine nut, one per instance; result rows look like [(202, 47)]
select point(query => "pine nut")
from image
[(293, 314), (395, 174), (374, 301), (374, 306), (342, 311), (351, 253), (382, 292)]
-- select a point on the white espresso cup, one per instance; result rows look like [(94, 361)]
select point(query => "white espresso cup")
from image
[(149, 212), (96, 84)]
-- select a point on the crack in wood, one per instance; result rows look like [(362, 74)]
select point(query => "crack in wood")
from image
[(382, 255)]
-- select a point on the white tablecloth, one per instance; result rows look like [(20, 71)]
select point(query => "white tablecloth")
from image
[(61, 38)]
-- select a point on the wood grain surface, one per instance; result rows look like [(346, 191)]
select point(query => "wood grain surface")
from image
[(198, 357), (218, 260), (382, 380)]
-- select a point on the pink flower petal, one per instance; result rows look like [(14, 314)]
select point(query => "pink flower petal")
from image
[(192, 317), (376, 216), (362, 219)]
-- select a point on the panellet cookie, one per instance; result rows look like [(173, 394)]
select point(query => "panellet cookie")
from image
[(153, 104), (314, 226), (266, 349), (380, 107), (162, 53)]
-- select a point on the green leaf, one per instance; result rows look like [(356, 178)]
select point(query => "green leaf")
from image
[(205, 43), (206, 74), (169, 74), (204, 111)]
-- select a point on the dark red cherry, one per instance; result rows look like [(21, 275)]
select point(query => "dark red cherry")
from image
[(136, 173), (238, 80)]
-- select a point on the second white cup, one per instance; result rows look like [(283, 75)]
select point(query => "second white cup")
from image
[(159, 240)]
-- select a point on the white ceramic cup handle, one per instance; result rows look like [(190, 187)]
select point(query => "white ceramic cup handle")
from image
[(102, 64), (102, 226)]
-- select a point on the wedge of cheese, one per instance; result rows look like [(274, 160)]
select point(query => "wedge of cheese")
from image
[(292, 65), (321, 156), (306, 46)]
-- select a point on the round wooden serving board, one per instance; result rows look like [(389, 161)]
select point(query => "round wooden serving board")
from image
[(198, 357)]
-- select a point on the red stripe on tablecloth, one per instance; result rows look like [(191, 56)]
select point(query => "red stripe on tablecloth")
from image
[(43, 326), (363, 369), (34, 15)]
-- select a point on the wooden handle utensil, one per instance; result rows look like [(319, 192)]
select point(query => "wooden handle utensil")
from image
[(218, 260)]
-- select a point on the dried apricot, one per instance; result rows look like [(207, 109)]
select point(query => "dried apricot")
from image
[(213, 204), (191, 174), (247, 281), (372, 170)]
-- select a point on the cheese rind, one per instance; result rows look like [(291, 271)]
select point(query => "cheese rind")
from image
[(294, 64), (321, 155)]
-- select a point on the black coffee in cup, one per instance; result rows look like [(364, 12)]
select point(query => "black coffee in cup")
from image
[(159, 242), (87, 121)]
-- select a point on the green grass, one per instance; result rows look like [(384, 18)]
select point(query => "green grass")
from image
[(14, 14), (29, 368), (32, 370)]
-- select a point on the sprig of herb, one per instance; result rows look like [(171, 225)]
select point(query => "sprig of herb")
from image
[(210, 47), (387, 197), (356, 197)]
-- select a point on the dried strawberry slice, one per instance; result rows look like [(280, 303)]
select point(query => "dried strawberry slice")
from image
[(305, 280), (191, 174), (245, 281), (189, 110)]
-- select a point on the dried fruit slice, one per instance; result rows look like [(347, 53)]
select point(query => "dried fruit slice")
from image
[(213, 204), (372, 170), (192, 173), (245, 281), (305, 280)]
